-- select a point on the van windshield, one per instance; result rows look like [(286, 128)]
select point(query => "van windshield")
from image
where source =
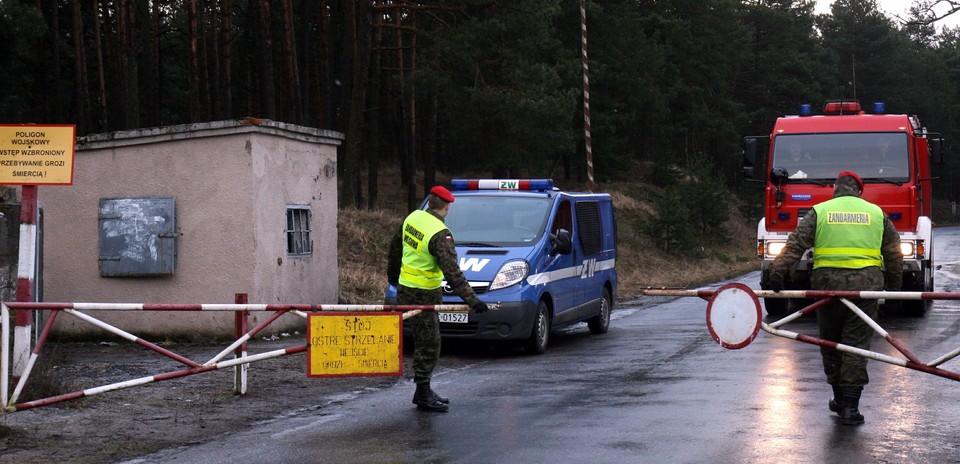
[(498, 220), (878, 155)]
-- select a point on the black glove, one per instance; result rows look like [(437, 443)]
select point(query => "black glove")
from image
[(776, 282), (480, 307)]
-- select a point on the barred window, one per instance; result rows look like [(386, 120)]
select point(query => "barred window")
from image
[(298, 230)]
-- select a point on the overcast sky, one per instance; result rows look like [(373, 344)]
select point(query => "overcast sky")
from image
[(893, 8)]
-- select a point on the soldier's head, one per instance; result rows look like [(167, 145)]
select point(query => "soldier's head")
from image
[(439, 200), (848, 183)]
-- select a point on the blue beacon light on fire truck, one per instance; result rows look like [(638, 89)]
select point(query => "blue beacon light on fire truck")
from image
[(502, 184)]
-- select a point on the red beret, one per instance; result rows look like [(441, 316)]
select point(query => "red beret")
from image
[(852, 174), (443, 193)]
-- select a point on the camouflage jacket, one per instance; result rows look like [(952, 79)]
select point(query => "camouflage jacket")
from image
[(442, 249), (803, 238)]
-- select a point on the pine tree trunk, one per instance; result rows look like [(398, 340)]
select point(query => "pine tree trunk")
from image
[(268, 95), (80, 65), (294, 105), (102, 122)]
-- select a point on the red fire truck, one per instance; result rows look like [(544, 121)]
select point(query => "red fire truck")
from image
[(892, 153)]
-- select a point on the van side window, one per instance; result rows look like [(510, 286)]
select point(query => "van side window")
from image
[(588, 224), (563, 220)]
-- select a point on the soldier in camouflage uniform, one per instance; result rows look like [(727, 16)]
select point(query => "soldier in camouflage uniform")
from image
[(421, 255), (856, 247)]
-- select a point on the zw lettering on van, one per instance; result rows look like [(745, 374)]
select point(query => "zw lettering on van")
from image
[(473, 264), (588, 268), (509, 185)]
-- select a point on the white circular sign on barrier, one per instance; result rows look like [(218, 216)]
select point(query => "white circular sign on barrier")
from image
[(733, 316)]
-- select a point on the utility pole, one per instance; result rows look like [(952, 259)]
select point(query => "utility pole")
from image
[(586, 95)]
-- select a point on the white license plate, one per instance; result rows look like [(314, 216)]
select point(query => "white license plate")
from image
[(456, 318)]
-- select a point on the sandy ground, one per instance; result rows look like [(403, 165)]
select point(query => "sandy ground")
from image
[(120, 425)]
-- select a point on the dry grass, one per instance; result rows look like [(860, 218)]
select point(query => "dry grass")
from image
[(364, 237)]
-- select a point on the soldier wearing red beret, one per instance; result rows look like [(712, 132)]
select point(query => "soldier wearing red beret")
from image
[(421, 255), (855, 247)]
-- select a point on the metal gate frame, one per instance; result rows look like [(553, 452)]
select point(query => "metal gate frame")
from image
[(824, 297), (238, 347)]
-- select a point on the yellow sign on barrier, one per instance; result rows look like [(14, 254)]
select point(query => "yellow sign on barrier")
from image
[(37, 155), (354, 344)]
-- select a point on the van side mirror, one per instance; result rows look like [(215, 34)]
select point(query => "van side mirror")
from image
[(560, 243)]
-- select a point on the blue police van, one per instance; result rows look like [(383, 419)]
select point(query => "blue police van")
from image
[(547, 256)]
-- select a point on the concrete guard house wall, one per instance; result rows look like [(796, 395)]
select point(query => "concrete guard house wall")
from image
[(231, 182)]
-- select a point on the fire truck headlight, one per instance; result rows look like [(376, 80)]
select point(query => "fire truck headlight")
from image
[(510, 273), (775, 248), (907, 248)]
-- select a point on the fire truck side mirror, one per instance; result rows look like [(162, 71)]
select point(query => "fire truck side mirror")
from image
[(935, 146), (750, 157)]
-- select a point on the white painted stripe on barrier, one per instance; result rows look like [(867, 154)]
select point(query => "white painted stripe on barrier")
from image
[(28, 240), (841, 347), (23, 379), (4, 353), (859, 312), (945, 358), (22, 335), (230, 349), (103, 325), (107, 306), (118, 386), (234, 307)]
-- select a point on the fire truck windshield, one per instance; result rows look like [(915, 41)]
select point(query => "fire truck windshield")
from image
[(882, 156)]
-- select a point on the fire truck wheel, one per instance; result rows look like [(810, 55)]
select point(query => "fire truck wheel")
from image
[(916, 308), (776, 306)]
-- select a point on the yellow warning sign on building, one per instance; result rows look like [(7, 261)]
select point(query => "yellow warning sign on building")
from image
[(37, 155), (354, 344)]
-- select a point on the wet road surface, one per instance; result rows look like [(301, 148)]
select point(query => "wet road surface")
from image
[(656, 388)]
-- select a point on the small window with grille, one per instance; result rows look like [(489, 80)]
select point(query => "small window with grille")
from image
[(298, 230)]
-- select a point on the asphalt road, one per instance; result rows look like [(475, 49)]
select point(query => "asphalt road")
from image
[(656, 388)]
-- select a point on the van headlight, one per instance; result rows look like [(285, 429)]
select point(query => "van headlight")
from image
[(510, 273)]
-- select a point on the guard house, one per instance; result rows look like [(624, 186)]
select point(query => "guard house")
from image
[(194, 214)]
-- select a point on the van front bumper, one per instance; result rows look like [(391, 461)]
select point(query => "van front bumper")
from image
[(513, 321)]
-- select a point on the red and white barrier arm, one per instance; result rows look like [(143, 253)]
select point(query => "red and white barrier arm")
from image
[(155, 378)]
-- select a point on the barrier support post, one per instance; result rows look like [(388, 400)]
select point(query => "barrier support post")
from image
[(23, 333), (240, 328)]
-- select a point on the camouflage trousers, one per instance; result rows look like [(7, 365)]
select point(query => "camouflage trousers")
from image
[(839, 324), (426, 330)]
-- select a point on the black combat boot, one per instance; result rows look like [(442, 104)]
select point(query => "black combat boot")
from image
[(836, 403), (417, 400), (427, 400), (850, 415)]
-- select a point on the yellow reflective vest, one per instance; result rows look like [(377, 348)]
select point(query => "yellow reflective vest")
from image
[(849, 234), (419, 268)]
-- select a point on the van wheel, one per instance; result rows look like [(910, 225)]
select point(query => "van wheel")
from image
[(601, 322), (540, 335)]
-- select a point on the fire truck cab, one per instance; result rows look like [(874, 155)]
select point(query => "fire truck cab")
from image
[(892, 153)]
